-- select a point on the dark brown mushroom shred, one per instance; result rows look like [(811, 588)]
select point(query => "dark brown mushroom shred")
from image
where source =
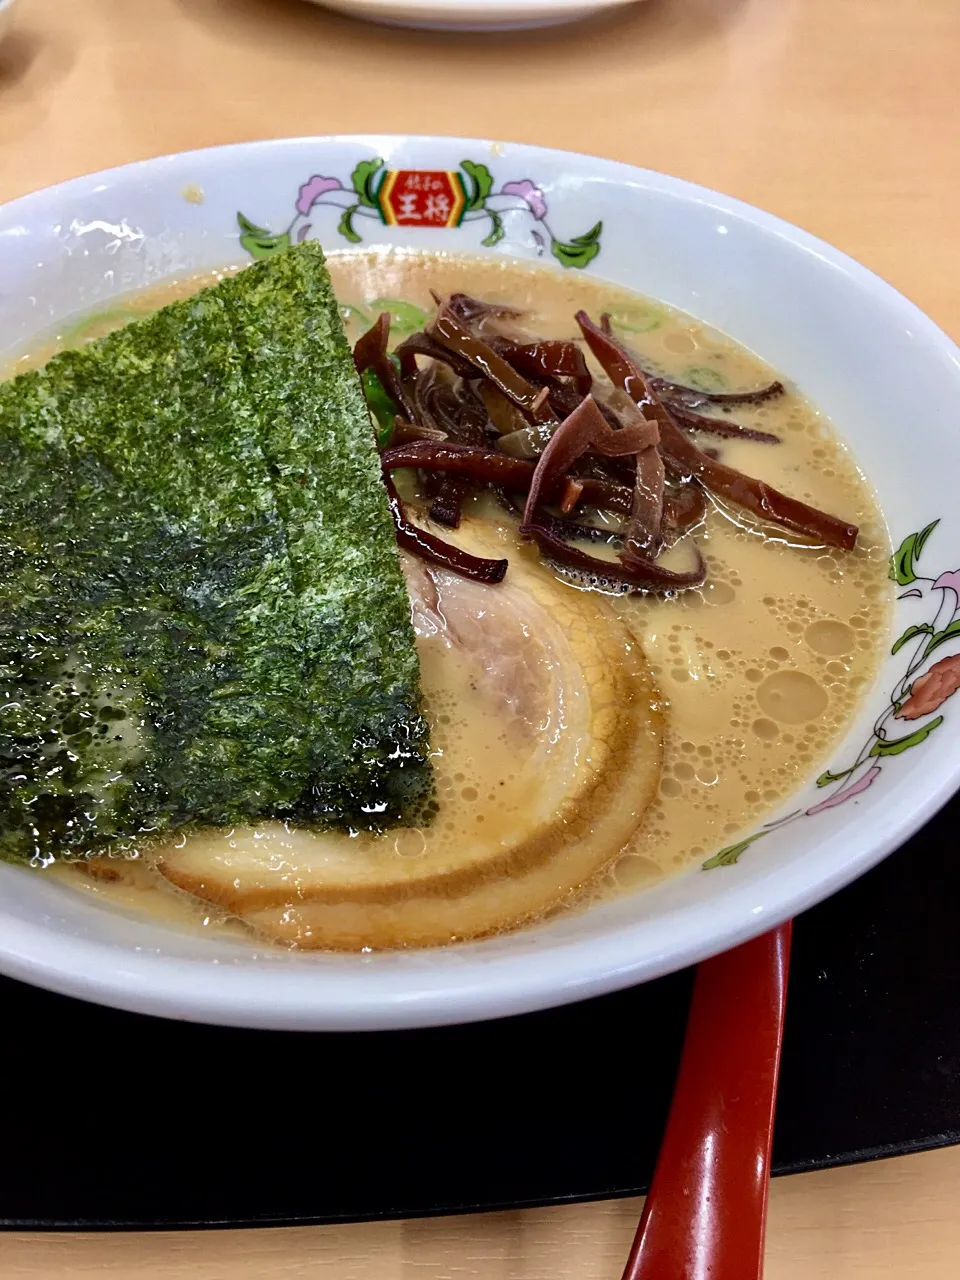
[(684, 507), (421, 344), (637, 573), (644, 532), (718, 426), (490, 410), (447, 506), (586, 428), (487, 466), (755, 496), (676, 390), (547, 360), (467, 308), (451, 333), (428, 547), (370, 352)]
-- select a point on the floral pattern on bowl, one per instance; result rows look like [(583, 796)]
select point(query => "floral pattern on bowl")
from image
[(920, 691), (433, 198)]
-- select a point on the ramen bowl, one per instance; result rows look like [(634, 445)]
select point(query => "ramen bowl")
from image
[(882, 372)]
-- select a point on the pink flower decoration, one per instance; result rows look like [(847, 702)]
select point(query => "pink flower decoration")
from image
[(848, 792), (931, 690), (949, 582), (311, 191), (530, 193)]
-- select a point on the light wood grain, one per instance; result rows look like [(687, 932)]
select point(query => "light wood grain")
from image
[(894, 1220), (840, 115)]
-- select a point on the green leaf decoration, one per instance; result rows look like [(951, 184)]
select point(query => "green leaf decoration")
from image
[(258, 241), (404, 316), (496, 230), (265, 246), (903, 560), (362, 181), (826, 778), (345, 225), (941, 637), (925, 629), (589, 237), (896, 746), (704, 378), (580, 251), (731, 854), (569, 255), (250, 228), (480, 183)]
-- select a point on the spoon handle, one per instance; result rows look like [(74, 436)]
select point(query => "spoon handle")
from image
[(705, 1216)]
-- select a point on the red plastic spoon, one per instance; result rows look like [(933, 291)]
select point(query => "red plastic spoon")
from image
[(705, 1216)]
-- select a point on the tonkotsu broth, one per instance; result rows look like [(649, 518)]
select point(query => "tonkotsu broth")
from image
[(759, 671)]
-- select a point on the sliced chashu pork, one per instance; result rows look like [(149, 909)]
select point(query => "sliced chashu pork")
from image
[(546, 737)]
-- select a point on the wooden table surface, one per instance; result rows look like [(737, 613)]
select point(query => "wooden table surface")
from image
[(840, 115)]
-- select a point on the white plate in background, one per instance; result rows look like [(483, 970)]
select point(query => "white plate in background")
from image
[(6, 12), (472, 15)]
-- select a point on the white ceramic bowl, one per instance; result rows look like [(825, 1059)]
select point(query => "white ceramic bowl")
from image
[(886, 375)]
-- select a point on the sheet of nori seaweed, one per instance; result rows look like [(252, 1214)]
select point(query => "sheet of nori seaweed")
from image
[(202, 614)]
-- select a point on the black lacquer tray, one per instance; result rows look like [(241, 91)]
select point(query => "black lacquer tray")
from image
[(117, 1120)]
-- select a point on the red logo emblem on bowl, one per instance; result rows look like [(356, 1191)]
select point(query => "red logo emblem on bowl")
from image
[(421, 198)]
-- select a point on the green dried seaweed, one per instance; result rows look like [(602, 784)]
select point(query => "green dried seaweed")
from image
[(203, 615)]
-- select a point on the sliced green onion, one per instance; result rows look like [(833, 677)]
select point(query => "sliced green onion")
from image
[(704, 378), (404, 316), (381, 406)]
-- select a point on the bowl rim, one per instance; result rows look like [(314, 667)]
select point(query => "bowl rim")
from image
[(579, 968)]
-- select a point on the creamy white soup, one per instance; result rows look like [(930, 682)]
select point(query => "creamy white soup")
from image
[(584, 742)]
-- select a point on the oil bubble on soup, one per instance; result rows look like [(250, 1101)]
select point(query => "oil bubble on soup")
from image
[(584, 743)]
